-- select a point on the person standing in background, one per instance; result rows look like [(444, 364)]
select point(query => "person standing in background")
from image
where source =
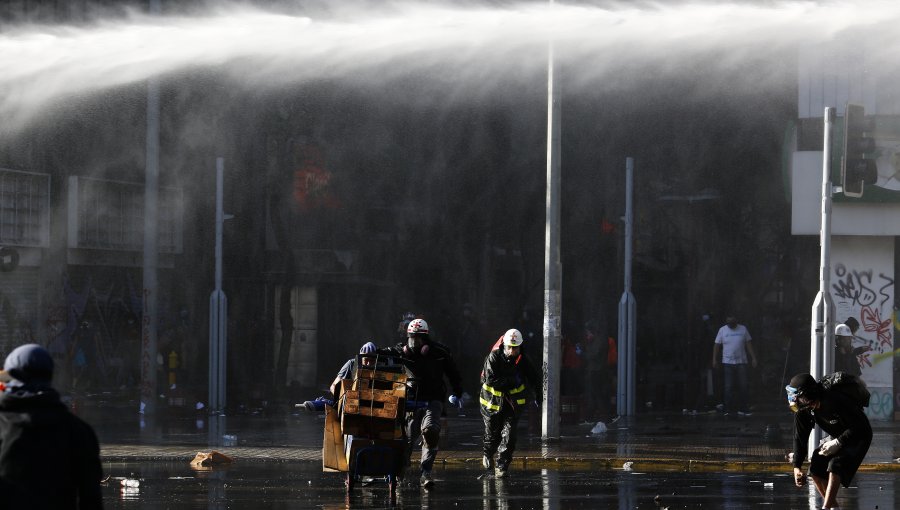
[(732, 348), (844, 353)]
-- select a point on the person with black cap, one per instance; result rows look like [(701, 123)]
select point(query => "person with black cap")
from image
[(49, 458), (835, 461), (347, 372)]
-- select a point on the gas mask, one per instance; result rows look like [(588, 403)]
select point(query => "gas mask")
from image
[(796, 401), (415, 344)]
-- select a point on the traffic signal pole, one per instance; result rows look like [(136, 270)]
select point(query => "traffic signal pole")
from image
[(821, 352)]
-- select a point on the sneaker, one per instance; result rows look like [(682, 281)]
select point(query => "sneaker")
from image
[(487, 462), (426, 480), (745, 413), (500, 472)]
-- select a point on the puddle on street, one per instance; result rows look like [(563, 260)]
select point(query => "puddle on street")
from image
[(281, 485)]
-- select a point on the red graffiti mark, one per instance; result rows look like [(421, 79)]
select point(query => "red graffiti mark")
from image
[(864, 360), (872, 322)]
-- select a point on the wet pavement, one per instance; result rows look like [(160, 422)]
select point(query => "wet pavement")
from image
[(272, 485), (651, 442), (689, 461)]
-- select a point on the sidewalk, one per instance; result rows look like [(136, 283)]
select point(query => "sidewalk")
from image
[(648, 442)]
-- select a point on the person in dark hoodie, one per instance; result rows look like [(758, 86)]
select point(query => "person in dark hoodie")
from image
[(49, 458), (835, 461)]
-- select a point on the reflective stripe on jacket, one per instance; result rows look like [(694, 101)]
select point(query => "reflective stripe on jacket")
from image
[(492, 398), (506, 380)]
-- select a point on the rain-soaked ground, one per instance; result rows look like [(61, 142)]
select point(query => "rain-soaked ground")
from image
[(283, 485)]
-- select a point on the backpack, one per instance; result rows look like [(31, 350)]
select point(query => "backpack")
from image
[(848, 384)]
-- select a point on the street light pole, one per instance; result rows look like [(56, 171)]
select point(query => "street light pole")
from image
[(821, 352), (625, 391), (218, 309), (552, 266)]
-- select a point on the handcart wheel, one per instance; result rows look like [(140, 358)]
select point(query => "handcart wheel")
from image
[(349, 482), (392, 483)]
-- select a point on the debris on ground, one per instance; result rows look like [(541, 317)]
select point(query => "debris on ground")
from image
[(209, 459)]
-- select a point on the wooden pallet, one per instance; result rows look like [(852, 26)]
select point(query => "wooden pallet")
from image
[(375, 403)]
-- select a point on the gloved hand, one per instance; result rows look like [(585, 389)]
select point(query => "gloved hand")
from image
[(830, 447), (453, 399)]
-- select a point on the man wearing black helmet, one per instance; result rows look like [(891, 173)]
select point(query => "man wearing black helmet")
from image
[(835, 461)]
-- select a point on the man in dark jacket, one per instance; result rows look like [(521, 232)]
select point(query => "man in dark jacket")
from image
[(507, 381), (835, 461), (426, 364), (49, 458), (845, 355)]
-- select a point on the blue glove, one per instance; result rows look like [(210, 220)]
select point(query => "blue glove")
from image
[(453, 399)]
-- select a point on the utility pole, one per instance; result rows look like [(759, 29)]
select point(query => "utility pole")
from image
[(821, 351), (625, 391), (552, 265)]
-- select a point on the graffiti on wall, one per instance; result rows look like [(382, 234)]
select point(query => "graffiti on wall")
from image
[(867, 295), (92, 329)]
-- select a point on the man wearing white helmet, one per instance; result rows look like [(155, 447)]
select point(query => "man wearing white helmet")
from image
[(426, 363), (845, 355), (508, 382)]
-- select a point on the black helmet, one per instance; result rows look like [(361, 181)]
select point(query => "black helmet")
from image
[(802, 385)]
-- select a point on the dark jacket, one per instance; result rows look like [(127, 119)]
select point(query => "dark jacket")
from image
[(426, 371), (49, 458), (506, 381), (845, 360), (838, 416)]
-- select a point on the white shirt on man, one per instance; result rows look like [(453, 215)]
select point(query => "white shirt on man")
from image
[(734, 342)]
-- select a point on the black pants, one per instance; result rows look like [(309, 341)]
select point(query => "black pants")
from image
[(500, 432)]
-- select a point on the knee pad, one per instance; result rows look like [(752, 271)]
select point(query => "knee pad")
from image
[(431, 437)]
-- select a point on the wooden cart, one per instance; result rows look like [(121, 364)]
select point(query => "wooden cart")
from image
[(364, 433)]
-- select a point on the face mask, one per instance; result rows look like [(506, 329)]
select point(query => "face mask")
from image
[(413, 342), (795, 401)]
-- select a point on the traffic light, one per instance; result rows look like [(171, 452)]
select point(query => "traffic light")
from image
[(856, 170)]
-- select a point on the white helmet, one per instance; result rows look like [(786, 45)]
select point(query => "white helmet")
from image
[(842, 330), (417, 327), (513, 338)]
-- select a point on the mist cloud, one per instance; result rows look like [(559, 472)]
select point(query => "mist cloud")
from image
[(477, 47)]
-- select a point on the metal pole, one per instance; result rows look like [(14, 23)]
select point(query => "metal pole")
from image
[(625, 390), (149, 320), (218, 309), (552, 266), (821, 352)]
